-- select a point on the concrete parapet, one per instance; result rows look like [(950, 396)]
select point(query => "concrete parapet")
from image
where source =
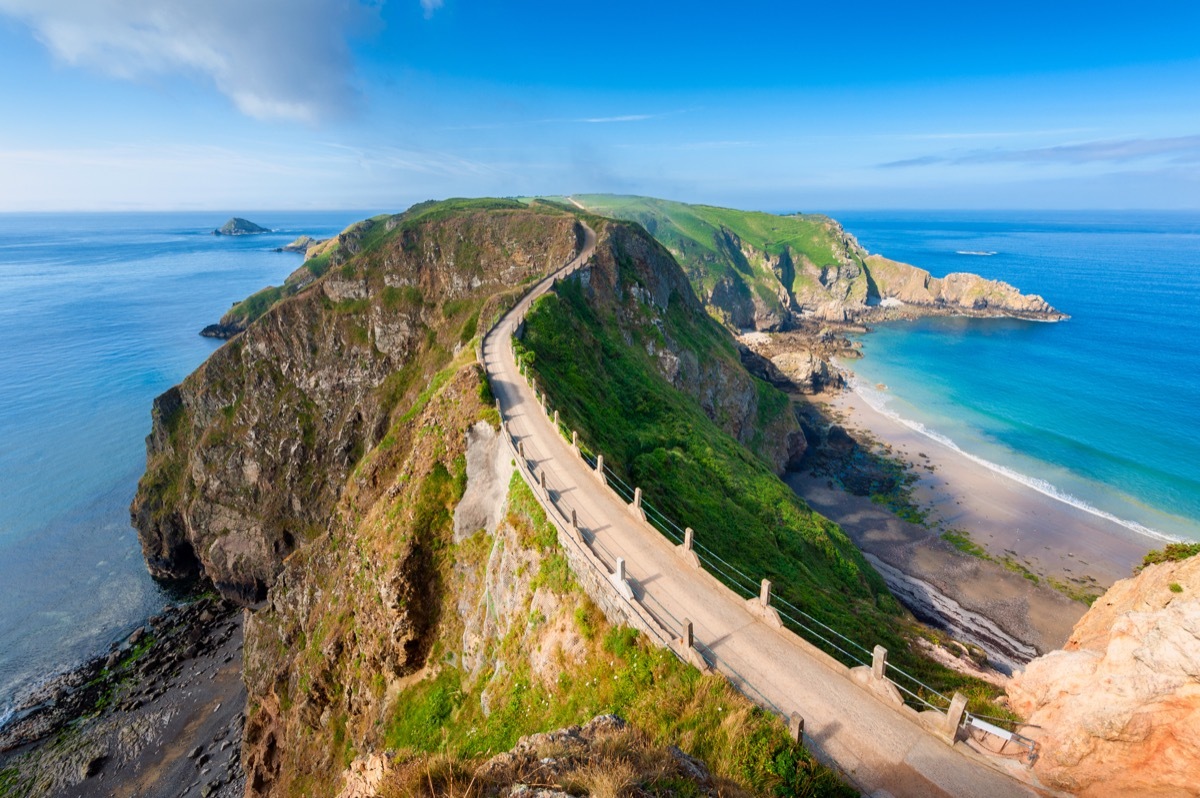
[(761, 606), (635, 506), (796, 727), (684, 550), (954, 716), (883, 688), (619, 581)]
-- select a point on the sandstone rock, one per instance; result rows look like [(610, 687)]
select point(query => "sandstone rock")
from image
[(1117, 710), (807, 372)]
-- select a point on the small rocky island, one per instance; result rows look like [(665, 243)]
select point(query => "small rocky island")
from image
[(301, 244), (238, 226)]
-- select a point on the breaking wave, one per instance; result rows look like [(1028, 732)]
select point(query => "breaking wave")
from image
[(879, 403)]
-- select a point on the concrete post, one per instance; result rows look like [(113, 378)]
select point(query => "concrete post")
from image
[(796, 727), (879, 663), (688, 539), (954, 716), (764, 593)]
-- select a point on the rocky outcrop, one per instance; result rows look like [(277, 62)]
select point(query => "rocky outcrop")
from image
[(803, 369), (238, 226), (960, 292), (1116, 711), (301, 244), (247, 457), (634, 277), (765, 272)]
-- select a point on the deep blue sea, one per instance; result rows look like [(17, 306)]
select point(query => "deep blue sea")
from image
[(1103, 410), (99, 313)]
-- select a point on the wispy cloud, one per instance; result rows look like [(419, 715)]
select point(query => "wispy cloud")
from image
[(565, 120), (604, 120), (995, 134), (430, 6), (1175, 149), (275, 59)]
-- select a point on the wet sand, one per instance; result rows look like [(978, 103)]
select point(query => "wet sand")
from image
[(1010, 520)]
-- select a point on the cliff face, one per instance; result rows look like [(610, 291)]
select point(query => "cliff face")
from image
[(1116, 711), (248, 456), (634, 281), (759, 271)]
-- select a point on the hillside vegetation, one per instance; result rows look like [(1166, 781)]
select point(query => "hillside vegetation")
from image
[(319, 462), (764, 271), (596, 345)]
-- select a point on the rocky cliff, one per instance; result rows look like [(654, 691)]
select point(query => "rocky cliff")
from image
[(339, 460), (248, 456), (760, 271), (1117, 710), (238, 226), (634, 282)]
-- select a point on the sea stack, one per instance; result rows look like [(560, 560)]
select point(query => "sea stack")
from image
[(239, 227)]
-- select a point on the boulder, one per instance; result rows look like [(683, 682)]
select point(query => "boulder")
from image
[(1117, 710)]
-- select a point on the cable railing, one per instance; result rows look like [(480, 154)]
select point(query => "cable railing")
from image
[(913, 690), (667, 621), (661, 623)]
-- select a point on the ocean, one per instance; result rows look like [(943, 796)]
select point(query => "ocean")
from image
[(1101, 411), (99, 313)]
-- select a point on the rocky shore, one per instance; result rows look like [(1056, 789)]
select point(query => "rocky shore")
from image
[(161, 714)]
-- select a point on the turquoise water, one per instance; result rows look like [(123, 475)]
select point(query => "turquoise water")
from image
[(1102, 411), (99, 313)]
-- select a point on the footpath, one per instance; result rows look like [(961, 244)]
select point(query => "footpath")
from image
[(881, 747)]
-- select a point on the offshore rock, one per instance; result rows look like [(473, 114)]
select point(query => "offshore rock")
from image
[(1116, 711), (238, 226)]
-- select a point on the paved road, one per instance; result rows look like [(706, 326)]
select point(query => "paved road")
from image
[(877, 745)]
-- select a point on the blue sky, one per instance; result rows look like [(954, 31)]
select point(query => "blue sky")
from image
[(253, 104)]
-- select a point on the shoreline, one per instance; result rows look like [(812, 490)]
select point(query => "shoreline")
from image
[(1030, 539)]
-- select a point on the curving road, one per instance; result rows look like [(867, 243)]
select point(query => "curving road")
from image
[(879, 747)]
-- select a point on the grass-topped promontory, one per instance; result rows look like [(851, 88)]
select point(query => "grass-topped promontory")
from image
[(658, 438)]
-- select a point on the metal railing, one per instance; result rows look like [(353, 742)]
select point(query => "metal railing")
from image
[(913, 690), (659, 621)]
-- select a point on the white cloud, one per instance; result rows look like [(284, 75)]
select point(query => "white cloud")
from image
[(430, 6), (275, 59)]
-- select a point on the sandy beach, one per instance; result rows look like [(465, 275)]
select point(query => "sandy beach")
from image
[(1029, 534)]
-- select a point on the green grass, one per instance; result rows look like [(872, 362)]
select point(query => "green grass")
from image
[(697, 235), (1173, 552), (659, 439), (1074, 590), (616, 671)]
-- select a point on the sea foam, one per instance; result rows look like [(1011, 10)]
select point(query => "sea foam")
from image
[(879, 401)]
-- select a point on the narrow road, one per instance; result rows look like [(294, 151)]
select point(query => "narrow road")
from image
[(879, 746)]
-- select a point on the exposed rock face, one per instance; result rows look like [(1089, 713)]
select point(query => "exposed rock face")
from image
[(239, 227), (302, 244), (804, 369), (248, 455), (634, 275), (967, 292), (1117, 710)]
